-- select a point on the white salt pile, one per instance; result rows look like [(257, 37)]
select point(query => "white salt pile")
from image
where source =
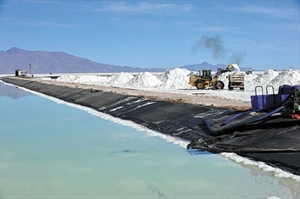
[(249, 79), (236, 67), (291, 77), (176, 81), (266, 77), (120, 79), (177, 78), (271, 77), (144, 79), (84, 79)]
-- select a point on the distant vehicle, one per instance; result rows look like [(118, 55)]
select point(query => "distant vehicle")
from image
[(249, 72), (205, 80), (20, 73), (236, 81)]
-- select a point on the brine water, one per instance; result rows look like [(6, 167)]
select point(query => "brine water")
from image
[(51, 149)]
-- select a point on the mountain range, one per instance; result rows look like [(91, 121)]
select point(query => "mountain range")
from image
[(37, 62)]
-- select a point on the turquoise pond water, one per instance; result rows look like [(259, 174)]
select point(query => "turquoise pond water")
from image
[(53, 150)]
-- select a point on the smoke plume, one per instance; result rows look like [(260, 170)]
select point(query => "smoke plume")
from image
[(215, 45), (237, 57)]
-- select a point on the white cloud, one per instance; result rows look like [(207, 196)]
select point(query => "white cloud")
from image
[(36, 23), (145, 7), (267, 10), (218, 28), (189, 22)]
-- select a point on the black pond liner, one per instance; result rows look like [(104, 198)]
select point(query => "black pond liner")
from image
[(275, 141)]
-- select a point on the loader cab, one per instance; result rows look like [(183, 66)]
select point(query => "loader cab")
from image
[(206, 74)]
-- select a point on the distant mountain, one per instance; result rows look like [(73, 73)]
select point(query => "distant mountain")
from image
[(208, 66), (60, 62), (56, 62)]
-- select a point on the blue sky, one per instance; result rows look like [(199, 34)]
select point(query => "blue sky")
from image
[(158, 34)]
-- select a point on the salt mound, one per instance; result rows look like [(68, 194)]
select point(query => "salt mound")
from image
[(176, 78), (266, 77), (85, 79), (120, 79), (236, 67), (291, 77), (144, 79), (249, 78), (65, 78)]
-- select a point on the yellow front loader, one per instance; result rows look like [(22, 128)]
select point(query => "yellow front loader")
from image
[(205, 80)]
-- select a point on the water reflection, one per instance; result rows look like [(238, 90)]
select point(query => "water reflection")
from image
[(262, 177), (12, 92)]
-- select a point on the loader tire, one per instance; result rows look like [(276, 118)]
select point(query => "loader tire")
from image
[(200, 84), (219, 85)]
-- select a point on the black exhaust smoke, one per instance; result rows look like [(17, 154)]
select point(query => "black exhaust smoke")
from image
[(215, 45)]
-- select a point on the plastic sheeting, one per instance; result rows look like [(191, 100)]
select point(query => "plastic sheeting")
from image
[(275, 141)]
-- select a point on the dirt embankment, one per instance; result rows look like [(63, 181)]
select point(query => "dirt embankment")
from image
[(202, 99)]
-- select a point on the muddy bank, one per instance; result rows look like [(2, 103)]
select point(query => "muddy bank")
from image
[(276, 142)]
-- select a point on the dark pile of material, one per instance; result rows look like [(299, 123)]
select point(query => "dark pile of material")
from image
[(276, 141)]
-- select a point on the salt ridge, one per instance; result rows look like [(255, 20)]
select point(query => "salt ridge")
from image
[(178, 78)]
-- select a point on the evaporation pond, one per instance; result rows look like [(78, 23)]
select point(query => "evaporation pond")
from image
[(51, 149)]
